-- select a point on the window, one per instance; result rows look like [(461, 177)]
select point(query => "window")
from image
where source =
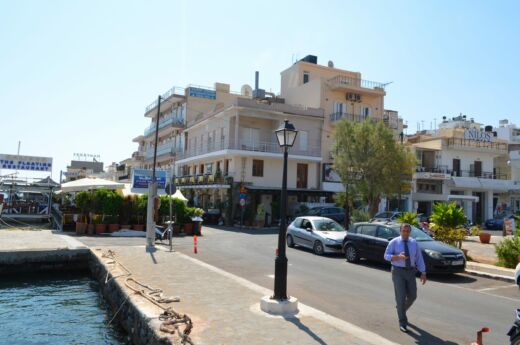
[(250, 138), (456, 167), (366, 112), (367, 230), (301, 175), (305, 77), (386, 233), (201, 169), (340, 108), (226, 167), (304, 138), (258, 168), (209, 168)]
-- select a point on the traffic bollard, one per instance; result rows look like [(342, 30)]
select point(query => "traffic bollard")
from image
[(195, 244)]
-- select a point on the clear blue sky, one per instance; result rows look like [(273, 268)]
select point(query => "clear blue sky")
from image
[(75, 76)]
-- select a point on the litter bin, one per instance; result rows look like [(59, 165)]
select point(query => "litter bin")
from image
[(198, 225)]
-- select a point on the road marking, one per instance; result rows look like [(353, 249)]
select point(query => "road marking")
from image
[(347, 327), (497, 287), (486, 293)]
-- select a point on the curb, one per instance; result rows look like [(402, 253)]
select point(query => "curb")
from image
[(491, 276)]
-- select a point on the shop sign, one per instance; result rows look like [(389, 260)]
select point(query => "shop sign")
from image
[(478, 135), (33, 163), (432, 176), (141, 178)]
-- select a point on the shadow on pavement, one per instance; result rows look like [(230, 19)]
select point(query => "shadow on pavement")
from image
[(306, 329), (451, 278), (260, 231), (422, 337)]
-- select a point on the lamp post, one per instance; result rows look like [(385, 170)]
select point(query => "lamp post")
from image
[(286, 135)]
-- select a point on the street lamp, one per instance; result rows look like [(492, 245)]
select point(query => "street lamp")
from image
[(286, 135)]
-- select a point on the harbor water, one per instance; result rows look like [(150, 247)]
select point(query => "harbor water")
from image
[(55, 309)]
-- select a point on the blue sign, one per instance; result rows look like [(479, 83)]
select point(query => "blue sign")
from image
[(141, 178), (202, 93), (15, 162)]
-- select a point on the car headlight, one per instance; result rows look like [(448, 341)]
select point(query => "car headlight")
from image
[(434, 254), (329, 240)]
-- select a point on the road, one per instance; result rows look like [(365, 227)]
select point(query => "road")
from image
[(449, 310)]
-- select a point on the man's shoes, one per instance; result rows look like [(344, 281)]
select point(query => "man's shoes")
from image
[(403, 329)]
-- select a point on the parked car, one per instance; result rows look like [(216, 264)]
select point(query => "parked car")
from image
[(322, 235), (386, 216), (369, 240), (336, 213), (497, 223)]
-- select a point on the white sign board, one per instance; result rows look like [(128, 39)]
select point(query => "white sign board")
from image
[(478, 135), (17, 162)]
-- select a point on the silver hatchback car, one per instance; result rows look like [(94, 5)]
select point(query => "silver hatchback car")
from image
[(322, 235)]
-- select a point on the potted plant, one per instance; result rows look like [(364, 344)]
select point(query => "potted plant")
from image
[(448, 221), (99, 225), (125, 212), (485, 237), (141, 204), (112, 223), (83, 202)]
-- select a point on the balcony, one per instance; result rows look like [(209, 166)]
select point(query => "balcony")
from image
[(349, 117), (474, 145), (205, 180), (442, 172), (349, 83), (162, 149), (166, 121), (260, 146), (175, 91)]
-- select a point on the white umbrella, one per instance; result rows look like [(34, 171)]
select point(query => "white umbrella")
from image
[(90, 183), (178, 195)]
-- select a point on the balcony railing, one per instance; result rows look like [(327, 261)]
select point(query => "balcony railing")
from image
[(173, 91), (341, 81), (169, 120), (336, 116), (463, 173), (260, 146), (468, 143), (163, 149), (204, 179)]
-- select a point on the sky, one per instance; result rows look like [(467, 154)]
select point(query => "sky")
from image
[(76, 76)]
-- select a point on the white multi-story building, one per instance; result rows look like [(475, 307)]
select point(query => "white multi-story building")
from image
[(511, 163), (458, 162)]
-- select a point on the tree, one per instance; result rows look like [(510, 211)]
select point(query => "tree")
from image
[(370, 162)]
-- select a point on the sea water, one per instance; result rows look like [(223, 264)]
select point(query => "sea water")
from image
[(52, 309)]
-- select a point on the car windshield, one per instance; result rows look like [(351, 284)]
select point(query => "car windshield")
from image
[(327, 225), (313, 211), (418, 234)]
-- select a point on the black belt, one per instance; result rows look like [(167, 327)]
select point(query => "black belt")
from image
[(405, 268)]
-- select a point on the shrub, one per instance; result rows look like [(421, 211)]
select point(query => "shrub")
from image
[(359, 215), (508, 251), (408, 217), (84, 202), (448, 220)]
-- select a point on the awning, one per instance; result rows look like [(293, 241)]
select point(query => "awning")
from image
[(204, 186), (466, 182), (495, 185), (90, 183), (306, 190), (463, 197), (429, 197)]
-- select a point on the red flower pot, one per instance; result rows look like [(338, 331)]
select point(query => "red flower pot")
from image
[(113, 227), (138, 227), (100, 228)]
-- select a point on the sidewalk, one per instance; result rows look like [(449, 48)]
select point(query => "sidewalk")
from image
[(225, 308), (484, 259)]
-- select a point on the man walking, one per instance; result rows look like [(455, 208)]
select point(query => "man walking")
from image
[(406, 258)]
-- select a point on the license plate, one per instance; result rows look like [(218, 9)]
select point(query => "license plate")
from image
[(457, 263)]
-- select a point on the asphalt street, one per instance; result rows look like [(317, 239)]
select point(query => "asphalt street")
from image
[(449, 309)]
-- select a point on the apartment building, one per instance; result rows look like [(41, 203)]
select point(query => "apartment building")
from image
[(456, 162), (237, 146), (179, 106), (510, 133), (341, 94)]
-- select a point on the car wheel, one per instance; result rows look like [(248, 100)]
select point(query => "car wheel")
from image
[(290, 241), (515, 341), (318, 248), (351, 253)]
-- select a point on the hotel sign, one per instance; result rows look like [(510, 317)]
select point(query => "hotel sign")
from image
[(17, 162), (478, 135), (202, 93), (142, 177)]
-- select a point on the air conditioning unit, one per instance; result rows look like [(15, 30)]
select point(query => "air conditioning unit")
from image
[(353, 97)]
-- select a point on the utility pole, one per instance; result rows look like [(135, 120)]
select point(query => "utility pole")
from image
[(152, 187)]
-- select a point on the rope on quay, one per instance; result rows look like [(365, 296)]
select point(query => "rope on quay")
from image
[(171, 319), (26, 225)]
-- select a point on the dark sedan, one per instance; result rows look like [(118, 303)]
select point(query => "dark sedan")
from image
[(335, 213), (497, 223), (369, 241)]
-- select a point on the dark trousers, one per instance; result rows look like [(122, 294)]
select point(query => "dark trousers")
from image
[(405, 287)]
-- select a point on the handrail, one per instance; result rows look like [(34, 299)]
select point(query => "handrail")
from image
[(341, 80), (336, 116)]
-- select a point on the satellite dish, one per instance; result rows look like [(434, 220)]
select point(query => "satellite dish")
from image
[(246, 90)]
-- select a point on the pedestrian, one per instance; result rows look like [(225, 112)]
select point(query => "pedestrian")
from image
[(406, 258)]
